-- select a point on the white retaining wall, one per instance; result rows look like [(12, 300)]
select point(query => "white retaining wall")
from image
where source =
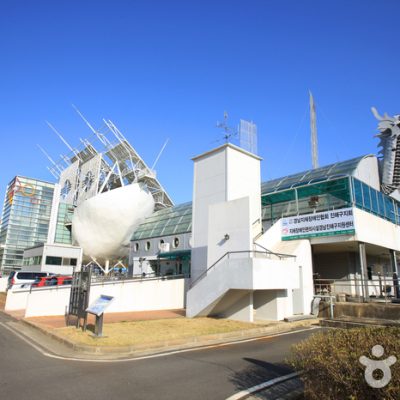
[(48, 301), (143, 295), (16, 299), (3, 284)]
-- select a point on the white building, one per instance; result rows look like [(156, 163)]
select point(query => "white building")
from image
[(262, 251), (54, 258)]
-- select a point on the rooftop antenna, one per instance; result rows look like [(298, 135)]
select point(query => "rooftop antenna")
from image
[(228, 131), (49, 158), (314, 134), (159, 154), (99, 135), (63, 140), (84, 119), (65, 159), (89, 146)]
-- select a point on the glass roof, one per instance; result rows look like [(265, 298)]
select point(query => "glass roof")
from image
[(178, 219), (168, 221), (336, 170)]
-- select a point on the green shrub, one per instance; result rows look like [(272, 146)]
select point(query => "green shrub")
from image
[(332, 370)]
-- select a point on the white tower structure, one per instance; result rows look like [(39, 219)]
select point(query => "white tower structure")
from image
[(232, 275), (223, 175)]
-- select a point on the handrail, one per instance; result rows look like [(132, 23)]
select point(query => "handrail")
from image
[(201, 276), (259, 245), (108, 282), (205, 272), (258, 235), (280, 255)]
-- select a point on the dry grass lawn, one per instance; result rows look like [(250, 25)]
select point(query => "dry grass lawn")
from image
[(3, 297), (144, 332)]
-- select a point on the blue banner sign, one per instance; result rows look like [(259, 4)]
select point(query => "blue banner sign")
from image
[(99, 306)]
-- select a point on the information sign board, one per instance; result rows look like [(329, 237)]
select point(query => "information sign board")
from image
[(99, 306), (327, 223)]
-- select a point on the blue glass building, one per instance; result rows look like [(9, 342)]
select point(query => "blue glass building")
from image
[(25, 219)]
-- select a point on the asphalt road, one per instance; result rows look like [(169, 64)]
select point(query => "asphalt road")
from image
[(214, 373)]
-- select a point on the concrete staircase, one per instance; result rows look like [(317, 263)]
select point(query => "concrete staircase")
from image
[(229, 287)]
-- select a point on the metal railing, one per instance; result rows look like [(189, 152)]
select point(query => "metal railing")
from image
[(380, 289), (234, 254), (279, 255), (139, 277)]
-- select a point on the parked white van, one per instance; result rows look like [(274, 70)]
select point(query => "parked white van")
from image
[(18, 278)]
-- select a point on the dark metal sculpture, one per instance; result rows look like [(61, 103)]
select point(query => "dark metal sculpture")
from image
[(389, 128)]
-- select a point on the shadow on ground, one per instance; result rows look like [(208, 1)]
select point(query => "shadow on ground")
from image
[(261, 371), (258, 372)]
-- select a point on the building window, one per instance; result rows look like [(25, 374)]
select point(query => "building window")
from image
[(136, 247), (70, 262), (53, 260), (88, 181), (175, 242), (147, 247), (66, 189)]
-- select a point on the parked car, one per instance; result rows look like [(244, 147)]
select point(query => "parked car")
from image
[(19, 278), (54, 280)]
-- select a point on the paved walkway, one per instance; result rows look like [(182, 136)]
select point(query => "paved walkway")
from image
[(61, 321)]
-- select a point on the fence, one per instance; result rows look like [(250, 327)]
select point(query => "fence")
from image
[(130, 295), (379, 288), (139, 277)]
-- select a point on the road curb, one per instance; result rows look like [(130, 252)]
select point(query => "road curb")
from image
[(171, 345)]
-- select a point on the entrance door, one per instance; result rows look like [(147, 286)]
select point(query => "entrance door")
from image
[(298, 295)]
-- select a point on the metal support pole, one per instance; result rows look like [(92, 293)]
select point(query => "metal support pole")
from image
[(331, 306), (396, 289), (393, 261), (395, 269), (130, 268), (364, 271), (98, 329)]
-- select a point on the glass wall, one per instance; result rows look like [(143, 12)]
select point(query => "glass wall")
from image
[(169, 221), (328, 195), (315, 197), (25, 218), (369, 199), (63, 228)]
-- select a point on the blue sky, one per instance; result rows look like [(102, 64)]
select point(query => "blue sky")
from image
[(168, 69)]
